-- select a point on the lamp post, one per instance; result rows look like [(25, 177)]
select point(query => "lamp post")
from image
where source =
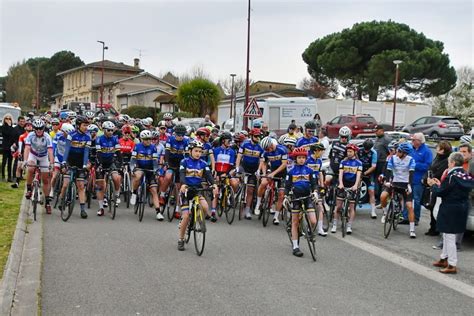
[(102, 75), (247, 81), (232, 104), (396, 62)]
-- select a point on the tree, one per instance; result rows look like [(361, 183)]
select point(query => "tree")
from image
[(239, 84), (171, 78), (20, 85), (362, 57), (459, 101), (198, 96), (60, 61), (317, 90)]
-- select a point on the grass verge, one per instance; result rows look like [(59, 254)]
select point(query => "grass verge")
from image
[(10, 200)]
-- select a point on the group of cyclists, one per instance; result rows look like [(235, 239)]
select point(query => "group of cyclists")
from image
[(171, 154)]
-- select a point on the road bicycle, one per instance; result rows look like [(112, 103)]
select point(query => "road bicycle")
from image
[(349, 195), (58, 188), (90, 186), (197, 221), (226, 202), (171, 198), (69, 197), (142, 193), (242, 192), (394, 211), (268, 199), (36, 190), (110, 192), (126, 186)]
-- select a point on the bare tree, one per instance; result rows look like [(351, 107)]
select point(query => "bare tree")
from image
[(317, 89), (239, 84)]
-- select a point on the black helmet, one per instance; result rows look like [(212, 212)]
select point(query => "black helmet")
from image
[(310, 125), (225, 135), (81, 119), (180, 130), (368, 144)]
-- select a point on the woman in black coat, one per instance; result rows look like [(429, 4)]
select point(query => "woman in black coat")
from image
[(8, 134), (452, 215)]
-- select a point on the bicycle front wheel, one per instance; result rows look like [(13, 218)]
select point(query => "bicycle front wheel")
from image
[(199, 229), (171, 204), (112, 198), (68, 201), (141, 203), (126, 188), (231, 205), (266, 206), (345, 206), (309, 235), (387, 226), (35, 200)]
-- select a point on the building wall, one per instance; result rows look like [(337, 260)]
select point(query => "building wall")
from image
[(143, 99)]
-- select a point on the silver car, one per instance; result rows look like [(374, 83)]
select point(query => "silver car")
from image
[(436, 126)]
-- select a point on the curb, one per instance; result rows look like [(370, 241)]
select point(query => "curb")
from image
[(12, 268)]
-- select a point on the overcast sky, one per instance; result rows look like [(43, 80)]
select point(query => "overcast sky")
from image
[(179, 35)]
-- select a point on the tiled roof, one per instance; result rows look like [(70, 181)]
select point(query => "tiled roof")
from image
[(107, 65)]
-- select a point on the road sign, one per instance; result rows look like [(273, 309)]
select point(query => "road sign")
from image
[(252, 110)]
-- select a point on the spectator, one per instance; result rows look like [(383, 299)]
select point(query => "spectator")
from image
[(381, 147), (318, 122), (8, 133), (439, 165), (453, 211), (265, 129), (468, 165), (206, 122), (324, 139)]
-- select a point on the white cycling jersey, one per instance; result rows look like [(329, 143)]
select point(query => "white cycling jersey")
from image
[(39, 145), (401, 168)]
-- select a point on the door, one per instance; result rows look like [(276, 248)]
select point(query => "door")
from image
[(333, 127), (274, 119), (419, 125)]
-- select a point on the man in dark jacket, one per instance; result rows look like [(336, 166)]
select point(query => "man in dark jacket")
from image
[(8, 134), (381, 147), (19, 130)]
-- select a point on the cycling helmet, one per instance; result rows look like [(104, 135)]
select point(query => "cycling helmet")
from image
[(63, 115), (465, 139), (317, 146), (167, 116), (92, 128), (149, 119), (255, 132), (300, 151), (89, 114), (126, 129), (146, 134), (245, 133), (195, 144), (155, 134), (72, 114), (81, 119), (135, 129), (393, 144), (225, 135), (266, 142), (353, 147), (310, 125), (405, 148), (257, 125), (67, 128), (215, 130), (162, 124), (368, 144), (144, 122), (239, 137), (203, 131), (38, 124), (345, 131), (273, 135), (108, 125), (180, 130), (55, 121), (289, 141)]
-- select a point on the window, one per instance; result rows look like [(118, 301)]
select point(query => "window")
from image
[(345, 120), (366, 120), (335, 120), (420, 121), (451, 120)]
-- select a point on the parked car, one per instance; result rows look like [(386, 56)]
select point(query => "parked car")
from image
[(436, 126), (359, 123)]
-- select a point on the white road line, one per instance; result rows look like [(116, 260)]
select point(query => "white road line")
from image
[(424, 271)]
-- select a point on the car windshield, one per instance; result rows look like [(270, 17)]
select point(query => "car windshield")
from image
[(367, 120)]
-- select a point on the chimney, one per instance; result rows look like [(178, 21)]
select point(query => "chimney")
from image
[(136, 63)]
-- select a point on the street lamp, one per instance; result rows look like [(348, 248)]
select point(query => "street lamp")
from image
[(102, 75), (396, 62), (232, 104)]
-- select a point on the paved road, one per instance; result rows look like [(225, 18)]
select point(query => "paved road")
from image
[(123, 267)]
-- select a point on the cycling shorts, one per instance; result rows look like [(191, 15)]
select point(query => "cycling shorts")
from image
[(150, 177), (100, 171), (341, 195), (175, 172), (252, 178), (188, 197), (42, 162), (402, 189), (81, 174), (297, 206)]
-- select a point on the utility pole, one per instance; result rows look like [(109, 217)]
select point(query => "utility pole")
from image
[(232, 105), (247, 82), (102, 75), (396, 62)]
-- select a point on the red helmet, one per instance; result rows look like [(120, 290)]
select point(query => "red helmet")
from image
[(353, 147), (126, 129), (255, 132), (300, 151), (203, 131)]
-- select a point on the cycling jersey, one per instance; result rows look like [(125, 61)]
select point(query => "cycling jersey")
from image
[(39, 145), (301, 180), (59, 146), (336, 155), (315, 165), (126, 145), (77, 149), (276, 157), (163, 138), (306, 142), (21, 142), (290, 163), (144, 157), (93, 151), (107, 148), (368, 158), (401, 168), (350, 167), (225, 159), (175, 151), (250, 155), (193, 171), (206, 152)]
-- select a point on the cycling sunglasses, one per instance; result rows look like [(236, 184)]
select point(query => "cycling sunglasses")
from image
[(109, 130)]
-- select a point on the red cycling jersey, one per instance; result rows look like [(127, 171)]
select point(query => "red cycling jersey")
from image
[(126, 145)]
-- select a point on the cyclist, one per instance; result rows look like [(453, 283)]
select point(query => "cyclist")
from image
[(175, 151), (126, 143), (39, 151), (145, 157), (225, 157), (301, 181), (308, 138), (20, 154), (168, 117), (368, 156), (109, 157), (398, 176), (202, 135), (163, 138), (93, 129), (191, 172), (90, 115), (350, 171), (291, 133), (55, 127), (276, 155), (315, 163), (338, 153), (59, 147), (77, 155), (248, 161), (239, 138)]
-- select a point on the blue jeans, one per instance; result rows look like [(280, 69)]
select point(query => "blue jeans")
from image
[(417, 196)]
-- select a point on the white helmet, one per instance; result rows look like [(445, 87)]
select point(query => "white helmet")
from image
[(144, 121), (71, 114), (67, 128), (465, 139), (266, 142), (38, 124), (345, 131), (108, 125), (92, 128), (168, 116), (145, 134), (150, 120)]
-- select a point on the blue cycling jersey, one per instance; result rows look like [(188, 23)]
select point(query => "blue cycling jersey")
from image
[(106, 148), (300, 177), (59, 145), (401, 168), (144, 157), (77, 148), (250, 155), (177, 150), (225, 158), (194, 171), (306, 142), (368, 158), (276, 157), (315, 165), (350, 167), (206, 152)]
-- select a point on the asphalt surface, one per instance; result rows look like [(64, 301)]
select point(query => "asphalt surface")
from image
[(124, 267)]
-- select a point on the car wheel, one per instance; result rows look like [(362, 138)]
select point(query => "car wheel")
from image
[(434, 135)]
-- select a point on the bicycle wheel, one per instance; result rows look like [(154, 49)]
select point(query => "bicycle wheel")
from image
[(68, 201), (387, 226), (126, 188), (397, 211), (35, 199), (112, 198), (221, 201), (189, 229), (199, 230), (89, 192), (171, 203), (345, 206), (326, 218), (309, 235), (57, 190), (266, 206), (141, 201), (231, 205)]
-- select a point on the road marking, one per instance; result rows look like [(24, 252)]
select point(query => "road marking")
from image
[(424, 271)]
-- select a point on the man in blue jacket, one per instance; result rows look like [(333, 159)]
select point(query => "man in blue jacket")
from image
[(423, 158)]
